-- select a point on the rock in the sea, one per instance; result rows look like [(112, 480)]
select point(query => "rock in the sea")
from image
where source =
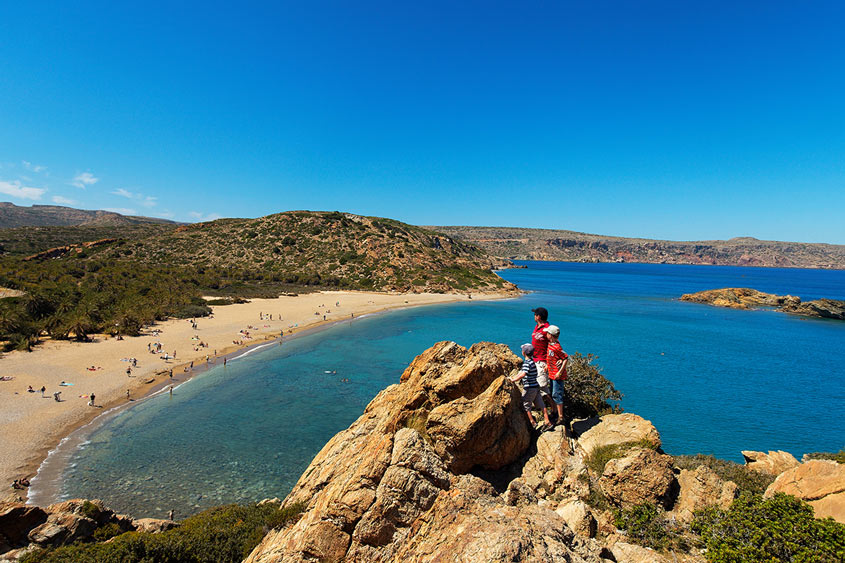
[(393, 486), (739, 298), (823, 308), (702, 488), (773, 463), (642, 476), (614, 429), (819, 482)]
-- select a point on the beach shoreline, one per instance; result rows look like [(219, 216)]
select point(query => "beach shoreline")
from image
[(31, 428)]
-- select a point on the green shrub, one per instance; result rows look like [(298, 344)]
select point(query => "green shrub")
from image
[(747, 480), (587, 390), (599, 457), (781, 528), (837, 457), (646, 525), (108, 531), (220, 535)]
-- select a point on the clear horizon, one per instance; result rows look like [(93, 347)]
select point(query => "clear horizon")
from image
[(660, 120)]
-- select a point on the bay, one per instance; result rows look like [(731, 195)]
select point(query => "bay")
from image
[(712, 380)]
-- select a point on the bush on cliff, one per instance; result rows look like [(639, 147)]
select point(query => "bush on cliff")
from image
[(646, 525), (837, 457), (747, 480), (587, 390), (781, 528), (218, 535)]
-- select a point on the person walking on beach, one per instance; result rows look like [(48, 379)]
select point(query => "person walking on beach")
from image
[(530, 388), (42, 391), (540, 343), (557, 361), (91, 402)]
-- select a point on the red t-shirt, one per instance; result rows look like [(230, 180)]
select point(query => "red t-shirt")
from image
[(555, 354), (540, 342)]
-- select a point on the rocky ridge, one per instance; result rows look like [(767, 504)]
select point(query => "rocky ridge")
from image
[(746, 298), (571, 246)]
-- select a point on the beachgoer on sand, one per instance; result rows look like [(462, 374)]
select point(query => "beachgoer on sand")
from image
[(57, 396), (91, 402), (530, 388), (539, 342)]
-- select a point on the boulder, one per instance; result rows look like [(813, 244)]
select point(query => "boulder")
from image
[(702, 488), (463, 526), (624, 552), (62, 528), (16, 520), (487, 431), (642, 476), (453, 410), (773, 463), (549, 464), (615, 429), (819, 482), (578, 516), (154, 525)]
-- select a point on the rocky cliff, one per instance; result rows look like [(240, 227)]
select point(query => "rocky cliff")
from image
[(571, 246), (444, 467)]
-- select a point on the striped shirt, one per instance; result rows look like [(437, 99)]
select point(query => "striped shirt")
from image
[(530, 370)]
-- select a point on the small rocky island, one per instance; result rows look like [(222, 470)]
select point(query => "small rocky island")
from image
[(746, 298)]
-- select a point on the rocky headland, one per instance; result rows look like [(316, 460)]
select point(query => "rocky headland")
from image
[(444, 466), (745, 298), (571, 246)]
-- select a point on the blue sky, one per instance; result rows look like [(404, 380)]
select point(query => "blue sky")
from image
[(673, 120)]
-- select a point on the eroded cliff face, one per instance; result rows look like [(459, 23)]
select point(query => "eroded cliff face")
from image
[(396, 485)]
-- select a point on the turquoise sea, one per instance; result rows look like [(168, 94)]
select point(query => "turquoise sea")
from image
[(712, 380)]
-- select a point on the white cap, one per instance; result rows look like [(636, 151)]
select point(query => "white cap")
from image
[(553, 330)]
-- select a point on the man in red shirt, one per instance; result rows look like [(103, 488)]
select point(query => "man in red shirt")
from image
[(540, 343)]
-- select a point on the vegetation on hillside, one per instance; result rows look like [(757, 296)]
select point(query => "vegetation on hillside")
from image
[(224, 534), (151, 272), (781, 528), (588, 392)]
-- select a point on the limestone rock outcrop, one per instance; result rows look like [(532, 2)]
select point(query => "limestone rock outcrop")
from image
[(24, 527), (394, 486), (702, 488), (615, 429), (642, 476), (823, 308), (819, 482), (773, 463), (739, 298)]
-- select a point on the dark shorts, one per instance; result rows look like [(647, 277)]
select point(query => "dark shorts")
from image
[(531, 397)]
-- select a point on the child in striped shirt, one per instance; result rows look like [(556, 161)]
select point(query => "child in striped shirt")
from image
[(530, 388)]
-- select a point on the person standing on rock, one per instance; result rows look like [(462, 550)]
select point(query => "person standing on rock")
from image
[(530, 389), (540, 344), (557, 360)]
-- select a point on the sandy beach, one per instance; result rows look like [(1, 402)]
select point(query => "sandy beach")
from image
[(31, 425)]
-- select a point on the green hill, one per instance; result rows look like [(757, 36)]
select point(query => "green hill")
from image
[(329, 249)]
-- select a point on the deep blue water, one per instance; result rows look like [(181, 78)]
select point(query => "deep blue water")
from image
[(712, 380)]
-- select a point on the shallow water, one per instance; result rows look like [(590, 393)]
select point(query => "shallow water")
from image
[(712, 380)]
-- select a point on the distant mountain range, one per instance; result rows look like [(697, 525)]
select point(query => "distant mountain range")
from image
[(12, 215), (570, 246)]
